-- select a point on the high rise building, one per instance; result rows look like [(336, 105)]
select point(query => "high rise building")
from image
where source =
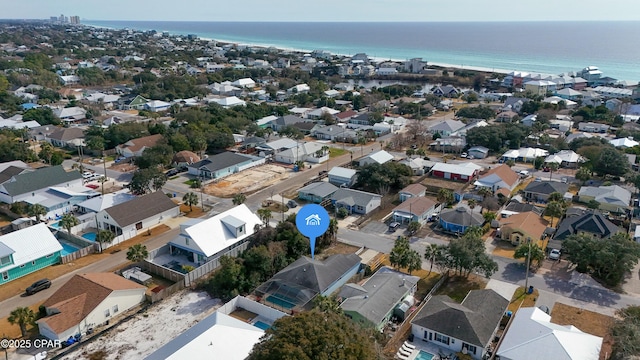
[(74, 19)]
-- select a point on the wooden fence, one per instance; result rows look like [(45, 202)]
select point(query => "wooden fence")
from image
[(164, 272), (77, 254), (164, 293)]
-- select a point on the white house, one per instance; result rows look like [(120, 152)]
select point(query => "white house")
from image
[(157, 106), (623, 143), (133, 217), (310, 152), (342, 177), (245, 83), (27, 184), (70, 114), (229, 102), (205, 240), (87, 301), (533, 336), (565, 158), (379, 157)]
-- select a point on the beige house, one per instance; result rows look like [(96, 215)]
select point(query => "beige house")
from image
[(519, 228)]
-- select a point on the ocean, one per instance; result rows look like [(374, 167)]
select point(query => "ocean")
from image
[(544, 47)]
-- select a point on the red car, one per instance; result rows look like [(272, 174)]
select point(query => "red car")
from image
[(92, 186)]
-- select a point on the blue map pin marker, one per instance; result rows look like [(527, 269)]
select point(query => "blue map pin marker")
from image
[(312, 221)]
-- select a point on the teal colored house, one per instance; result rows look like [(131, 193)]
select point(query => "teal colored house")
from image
[(27, 250)]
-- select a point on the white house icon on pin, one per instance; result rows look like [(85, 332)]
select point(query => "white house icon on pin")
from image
[(313, 220)]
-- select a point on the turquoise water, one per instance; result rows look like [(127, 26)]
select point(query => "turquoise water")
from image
[(261, 325), (282, 303), (91, 236), (551, 47), (67, 249), (422, 355), (55, 225)]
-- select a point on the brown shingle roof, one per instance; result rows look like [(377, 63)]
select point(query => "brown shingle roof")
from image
[(140, 208), (505, 173), (416, 205), (81, 295), (139, 143), (414, 189), (530, 223)]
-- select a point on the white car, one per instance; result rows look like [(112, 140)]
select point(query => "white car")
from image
[(554, 254), (463, 155)]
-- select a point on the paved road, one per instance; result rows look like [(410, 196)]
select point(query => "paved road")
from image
[(103, 265)]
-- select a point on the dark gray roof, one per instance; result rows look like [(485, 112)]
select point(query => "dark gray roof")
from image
[(140, 208), (311, 276), (287, 120), (382, 292), (10, 172), (40, 179), (473, 321), (519, 207), (320, 188), (461, 216), (353, 197), (590, 221), (220, 161), (547, 187)]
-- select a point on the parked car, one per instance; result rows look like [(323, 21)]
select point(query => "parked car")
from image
[(524, 173), (172, 172), (554, 254), (38, 286), (87, 174), (394, 226), (292, 204), (463, 155)]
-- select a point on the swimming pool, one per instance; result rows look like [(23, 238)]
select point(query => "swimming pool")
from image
[(91, 236), (280, 302), (261, 325), (422, 355), (67, 249), (55, 225)]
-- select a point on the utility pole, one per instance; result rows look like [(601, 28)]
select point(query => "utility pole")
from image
[(526, 278)]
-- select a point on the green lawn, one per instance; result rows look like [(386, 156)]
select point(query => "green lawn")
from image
[(189, 182), (333, 152)]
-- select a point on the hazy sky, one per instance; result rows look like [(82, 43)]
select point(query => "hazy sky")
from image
[(325, 10)]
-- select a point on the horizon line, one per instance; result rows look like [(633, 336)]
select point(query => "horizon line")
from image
[(338, 21)]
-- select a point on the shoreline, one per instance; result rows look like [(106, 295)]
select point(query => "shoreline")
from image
[(374, 59)]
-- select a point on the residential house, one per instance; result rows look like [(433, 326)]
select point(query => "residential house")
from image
[(60, 200), (539, 87), (529, 120), (524, 154), (136, 102), (335, 133), (592, 127), (229, 102), (446, 90), (276, 146), (499, 178), (135, 147), (472, 124), (87, 301), (457, 220), (566, 159), (356, 201), (299, 89), (506, 116), (23, 185), (70, 114), (223, 164), (308, 151), (459, 172), (539, 191), (69, 80), (624, 143), (468, 327), (157, 106), (131, 218), (11, 168), (378, 157), (345, 116), (244, 83), (283, 122), (295, 286), (342, 177), (532, 336), (612, 198), (446, 127), (449, 144), (516, 207), (317, 192), (204, 240), (418, 209), (411, 191), (383, 295), (318, 113), (586, 222), (102, 202), (514, 104), (523, 228), (70, 137), (478, 152), (184, 158), (419, 166), (27, 250), (362, 119), (221, 334)]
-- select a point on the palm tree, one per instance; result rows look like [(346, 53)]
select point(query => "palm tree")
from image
[(22, 317), (445, 196), (537, 254), (489, 216), (36, 210), (190, 199), (583, 174), (265, 216), (137, 253), (431, 253), (484, 192), (104, 237), (554, 209), (68, 221), (239, 199), (414, 261), (552, 167), (472, 203)]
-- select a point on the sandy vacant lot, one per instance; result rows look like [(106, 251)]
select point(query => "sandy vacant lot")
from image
[(247, 181), (142, 335)]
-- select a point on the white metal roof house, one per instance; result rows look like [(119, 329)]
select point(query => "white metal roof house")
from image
[(460, 172), (27, 250), (220, 335), (565, 158), (446, 127), (157, 106), (70, 114), (524, 154), (229, 102), (623, 143), (309, 151), (533, 336), (342, 177), (378, 157), (611, 198), (210, 238), (244, 82)]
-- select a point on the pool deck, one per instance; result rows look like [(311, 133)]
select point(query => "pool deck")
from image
[(427, 347)]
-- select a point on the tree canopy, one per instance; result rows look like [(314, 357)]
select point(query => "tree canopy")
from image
[(381, 178), (624, 331), (314, 335)]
